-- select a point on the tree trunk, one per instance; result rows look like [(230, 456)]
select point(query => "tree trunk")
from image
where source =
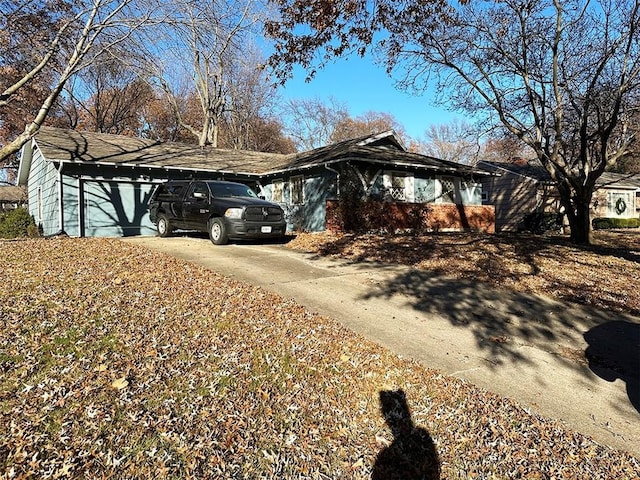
[(576, 203), (581, 225)]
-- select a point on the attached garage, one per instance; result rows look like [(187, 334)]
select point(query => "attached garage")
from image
[(98, 185), (115, 209)]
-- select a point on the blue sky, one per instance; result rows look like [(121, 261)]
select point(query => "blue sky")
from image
[(364, 86)]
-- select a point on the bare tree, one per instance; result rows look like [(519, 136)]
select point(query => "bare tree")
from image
[(200, 42), (250, 107), (311, 123), (368, 123), (559, 75), (109, 97), (70, 47), (456, 141), (503, 146)]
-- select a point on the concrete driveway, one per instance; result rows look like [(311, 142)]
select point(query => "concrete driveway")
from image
[(525, 347)]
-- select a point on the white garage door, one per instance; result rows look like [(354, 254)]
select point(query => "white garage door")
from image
[(116, 209)]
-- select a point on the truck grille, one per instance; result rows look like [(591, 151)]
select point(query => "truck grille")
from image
[(263, 214)]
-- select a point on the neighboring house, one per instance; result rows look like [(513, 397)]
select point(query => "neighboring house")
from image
[(12, 197), (91, 184), (523, 187), (617, 195)]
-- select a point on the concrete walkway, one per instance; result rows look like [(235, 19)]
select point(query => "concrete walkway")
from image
[(525, 347)]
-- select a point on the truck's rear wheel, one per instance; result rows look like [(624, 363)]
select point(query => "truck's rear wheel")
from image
[(218, 231), (164, 227)]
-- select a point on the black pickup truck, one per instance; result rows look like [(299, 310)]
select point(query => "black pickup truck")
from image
[(226, 210)]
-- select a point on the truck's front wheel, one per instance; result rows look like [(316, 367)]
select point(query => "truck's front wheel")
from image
[(164, 227), (218, 231)]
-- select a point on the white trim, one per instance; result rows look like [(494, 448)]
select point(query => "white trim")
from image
[(262, 175), (380, 136), (100, 178), (80, 201), (39, 203), (60, 202)]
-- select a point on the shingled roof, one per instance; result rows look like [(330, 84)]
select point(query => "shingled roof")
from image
[(619, 180), (62, 145), (100, 148), (12, 194), (534, 170)]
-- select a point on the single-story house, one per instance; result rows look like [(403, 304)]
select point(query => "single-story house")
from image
[(524, 187), (93, 184), (12, 197)]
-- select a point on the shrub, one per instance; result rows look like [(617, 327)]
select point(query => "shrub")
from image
[(605, 223), (17, 223), (541, 222)]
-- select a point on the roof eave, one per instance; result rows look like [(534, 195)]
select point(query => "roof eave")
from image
[(153, 167), (448, 169)]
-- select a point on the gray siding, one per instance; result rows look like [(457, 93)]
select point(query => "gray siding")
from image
[(71, 212), (513, 196), (310, 215), (43, 194)]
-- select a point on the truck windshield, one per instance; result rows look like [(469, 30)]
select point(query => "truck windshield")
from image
[(230, 190)]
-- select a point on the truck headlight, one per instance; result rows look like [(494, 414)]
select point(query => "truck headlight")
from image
[(233, 213)]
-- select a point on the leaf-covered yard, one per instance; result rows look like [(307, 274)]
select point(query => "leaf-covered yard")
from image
[(604, 275), (122, 363)]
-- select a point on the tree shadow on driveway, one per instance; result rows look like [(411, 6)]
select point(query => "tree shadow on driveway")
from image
[(501, 321)]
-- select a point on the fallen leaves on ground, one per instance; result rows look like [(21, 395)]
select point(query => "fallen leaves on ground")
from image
[(602, 275), (118, 362)]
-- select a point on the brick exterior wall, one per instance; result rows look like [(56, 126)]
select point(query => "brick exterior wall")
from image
[(375, 215)]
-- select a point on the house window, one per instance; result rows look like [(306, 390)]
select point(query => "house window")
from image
[(425, 190), (297, 190), (278, 191), (399, 186), (620, 204)]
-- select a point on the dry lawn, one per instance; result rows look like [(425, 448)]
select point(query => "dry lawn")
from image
[(117, 362), (605, 275)]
